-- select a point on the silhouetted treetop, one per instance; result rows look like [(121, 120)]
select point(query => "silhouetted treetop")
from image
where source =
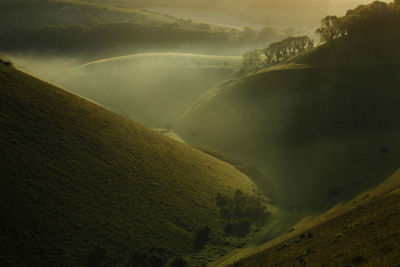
[(361, 18)]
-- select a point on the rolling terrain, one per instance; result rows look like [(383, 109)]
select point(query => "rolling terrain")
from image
[(312, 123), (83, 186), (286, 156)]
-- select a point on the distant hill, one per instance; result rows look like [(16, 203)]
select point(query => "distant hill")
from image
[(361, 232), (82, 186), (321, 126), (282, 13), (91, 31), (23, 14)]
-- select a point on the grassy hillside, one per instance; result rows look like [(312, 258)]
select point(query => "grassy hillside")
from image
[(84, 186), (312, 123), (282, 13), (155, 88), (362, 232)]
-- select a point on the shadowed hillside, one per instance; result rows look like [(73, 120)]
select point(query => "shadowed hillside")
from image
[(312, 123), (361, 232), (83, 186)]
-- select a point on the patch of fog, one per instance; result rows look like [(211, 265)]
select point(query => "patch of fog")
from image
[(44, 67), (153, 88), (169, 133)]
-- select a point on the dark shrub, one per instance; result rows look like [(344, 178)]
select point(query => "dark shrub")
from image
[(178, 262), (221, 200), (201, 238), (255, 212), (242, 227), (152, 257), (226, 214), (239, 228), (228, 229), (239, 197)]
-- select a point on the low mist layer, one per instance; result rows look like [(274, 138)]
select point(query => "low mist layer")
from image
[(154, 88)]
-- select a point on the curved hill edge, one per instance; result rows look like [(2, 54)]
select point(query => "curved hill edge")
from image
[(160, 54)]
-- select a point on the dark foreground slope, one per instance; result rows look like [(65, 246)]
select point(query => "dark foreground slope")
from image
[(313, 123), (81, 185), (363, 232)]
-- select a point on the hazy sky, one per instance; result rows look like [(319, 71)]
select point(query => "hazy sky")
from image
[(332, 5), (340, 6), (276, 13)]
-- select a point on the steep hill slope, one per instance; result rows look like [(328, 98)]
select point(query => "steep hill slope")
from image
[(362, 232), (81, 185), (314, 122)]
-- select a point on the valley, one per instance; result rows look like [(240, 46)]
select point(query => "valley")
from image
[(199, 134)]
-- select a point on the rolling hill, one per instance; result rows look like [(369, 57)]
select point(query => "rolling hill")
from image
[(83, 186), (23, 14), (312, 123), (282, 13)]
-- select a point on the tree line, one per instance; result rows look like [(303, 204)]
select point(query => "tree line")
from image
[(363, 17), (277, 52), (359, 19)]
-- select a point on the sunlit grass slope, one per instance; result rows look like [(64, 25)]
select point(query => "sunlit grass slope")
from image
[(362, 232), (80, 184)]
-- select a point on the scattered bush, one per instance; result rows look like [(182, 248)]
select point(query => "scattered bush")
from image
[(241, 206), (240, 211), (238, 228)]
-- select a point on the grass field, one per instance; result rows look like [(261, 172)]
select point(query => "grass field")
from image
[(84, 186)]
